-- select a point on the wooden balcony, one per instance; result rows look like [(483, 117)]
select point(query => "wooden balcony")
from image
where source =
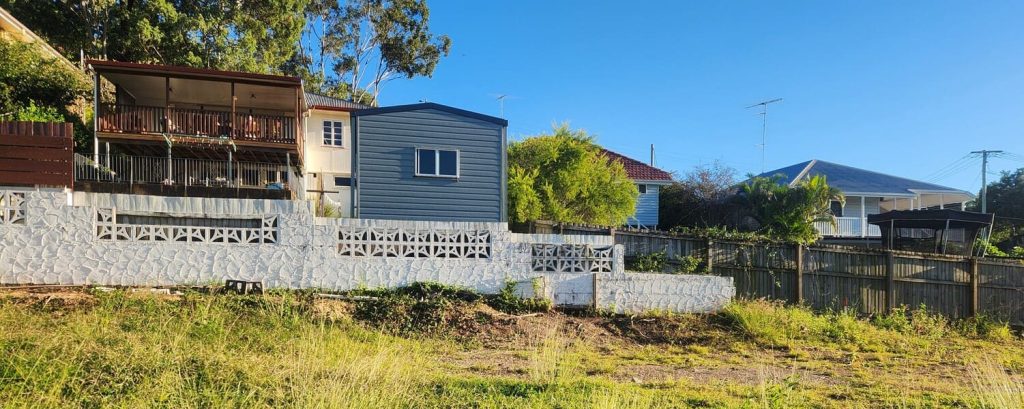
[(151, 120)]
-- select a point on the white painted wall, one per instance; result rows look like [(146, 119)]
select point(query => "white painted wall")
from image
[(60, 243), (324, 162)]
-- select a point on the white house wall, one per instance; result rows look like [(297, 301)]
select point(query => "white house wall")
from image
[(323, 162), (44, 239)]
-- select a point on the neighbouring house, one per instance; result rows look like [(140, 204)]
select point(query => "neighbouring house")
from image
[(429, 162), (179, 131), (869, 193), (649, 181), (329, 151)]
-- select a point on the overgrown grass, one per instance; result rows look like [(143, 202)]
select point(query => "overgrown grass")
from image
[(199, 351), (406, 349)]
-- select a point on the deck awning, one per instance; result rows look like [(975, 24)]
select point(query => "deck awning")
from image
[(932, 219), (943, 231)]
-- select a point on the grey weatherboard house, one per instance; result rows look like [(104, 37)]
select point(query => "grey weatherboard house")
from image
[(429, 162)]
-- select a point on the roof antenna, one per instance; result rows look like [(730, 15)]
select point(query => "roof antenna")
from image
[(764, 124), (652, 155), (501, 105)]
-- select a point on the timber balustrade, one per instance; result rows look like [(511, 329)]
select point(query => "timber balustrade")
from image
[(141, 119)]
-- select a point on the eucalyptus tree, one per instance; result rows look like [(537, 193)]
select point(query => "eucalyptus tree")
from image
[(353, 48)]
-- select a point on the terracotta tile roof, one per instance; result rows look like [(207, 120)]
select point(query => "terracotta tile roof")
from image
[(638, 170)]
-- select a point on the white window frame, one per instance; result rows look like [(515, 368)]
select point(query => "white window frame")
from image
[(339, 137), (437, 163)]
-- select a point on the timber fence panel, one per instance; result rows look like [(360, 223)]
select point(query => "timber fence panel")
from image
[(758, 270), (940, 283), (835, 279), (1001, 290), (639, 244), (840, 277)]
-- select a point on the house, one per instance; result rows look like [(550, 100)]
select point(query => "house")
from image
[(180, 131), (329, 151), (649, 181), (429, 162), (869, 193)]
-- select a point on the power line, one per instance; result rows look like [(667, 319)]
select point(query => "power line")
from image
[(953, 168)]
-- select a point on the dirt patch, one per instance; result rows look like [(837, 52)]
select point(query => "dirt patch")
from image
[(739, 375), (48, 298)]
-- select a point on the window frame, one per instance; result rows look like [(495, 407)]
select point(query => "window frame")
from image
[(642, 188), (336, 177), (437, 163), (340, 137)]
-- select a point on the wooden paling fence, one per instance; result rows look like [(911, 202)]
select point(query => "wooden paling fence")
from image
[(828, 277), (36, 153)]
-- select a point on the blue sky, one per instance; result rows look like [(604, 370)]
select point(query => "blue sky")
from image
[(905, 87)]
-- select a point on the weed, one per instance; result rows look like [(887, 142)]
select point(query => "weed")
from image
[(508, 301)]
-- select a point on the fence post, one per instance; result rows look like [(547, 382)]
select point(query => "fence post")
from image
[(710, 255), (890, 282), (974, 286), (799, 274)]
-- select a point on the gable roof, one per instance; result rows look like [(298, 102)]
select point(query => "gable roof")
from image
[(638, 170), (431, 105), (317, 101), (851, 180), (20, 32)]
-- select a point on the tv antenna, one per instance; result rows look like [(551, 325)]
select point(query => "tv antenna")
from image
[(501, 105), (764, 124)]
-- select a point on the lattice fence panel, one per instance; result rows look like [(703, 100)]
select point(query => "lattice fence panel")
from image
[(413, 243)]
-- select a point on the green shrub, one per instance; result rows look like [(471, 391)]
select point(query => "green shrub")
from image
[(985, 327), (691, 265), (509, 302), (425, 307), (652, 262), (896, 319), (38, 113)]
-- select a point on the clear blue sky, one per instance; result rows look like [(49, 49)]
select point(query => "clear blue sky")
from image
[(904, 87)]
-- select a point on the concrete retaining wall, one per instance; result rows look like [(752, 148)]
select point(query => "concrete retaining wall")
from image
[(54, 242)]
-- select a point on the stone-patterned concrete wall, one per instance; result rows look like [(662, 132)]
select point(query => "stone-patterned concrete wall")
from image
[(59, 243), (636, 292)]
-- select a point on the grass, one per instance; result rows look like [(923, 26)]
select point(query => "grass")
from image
[(427, 346)]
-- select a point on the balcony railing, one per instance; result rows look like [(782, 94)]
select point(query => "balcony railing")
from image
[(847, 227), (197, 122), (182, 172)]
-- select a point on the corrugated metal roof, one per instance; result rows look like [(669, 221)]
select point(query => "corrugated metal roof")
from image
[(317, 100), (854, 180), (638, 170)]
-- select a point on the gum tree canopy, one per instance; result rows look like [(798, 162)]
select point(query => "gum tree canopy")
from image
[(564, 177)]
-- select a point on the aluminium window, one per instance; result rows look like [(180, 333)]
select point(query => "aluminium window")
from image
[(333, 132), (642, 188), (437, 163), (341, 181)]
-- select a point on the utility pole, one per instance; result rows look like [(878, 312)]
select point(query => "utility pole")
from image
[(984, 176), (764, 125), (652, 155)]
